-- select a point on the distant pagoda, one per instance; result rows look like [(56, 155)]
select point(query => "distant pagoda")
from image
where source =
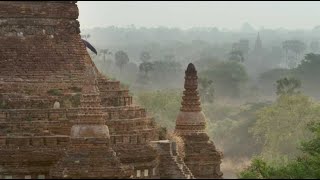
[(258, 45)]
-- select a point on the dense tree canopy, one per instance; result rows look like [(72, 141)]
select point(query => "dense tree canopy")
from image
[(121, 58), (236, 55), (288, 85), (282, 126), (227, 77), (206, 90), (305, 166), (238, 88), (145, 56)]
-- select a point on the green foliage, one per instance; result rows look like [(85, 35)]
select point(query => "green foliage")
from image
[(258, 169), (227, 77), (219, 111), (206, 90), (236, 56), (309, 67), (306, 166), (273, 75), (55, 92), (121, 59), (164, 105), (105, 52), (307, 71), (146, 67), (294, 46), (314, 46), (267, 79), (3, 104), (288, 86), (230, 129), (160, 73), (312, 147), (167, 66), (75, 89), (281, 126)]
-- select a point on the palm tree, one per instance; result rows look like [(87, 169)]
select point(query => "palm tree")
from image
[(121, 59), (105, 52)]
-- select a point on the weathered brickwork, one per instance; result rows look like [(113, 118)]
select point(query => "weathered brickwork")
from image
[(201, 155), (61, 118), (54, 102)]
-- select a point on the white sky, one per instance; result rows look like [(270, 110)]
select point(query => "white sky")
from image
[(186, 14)]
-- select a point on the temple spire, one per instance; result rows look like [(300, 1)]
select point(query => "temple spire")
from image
[(190, 99), (201, 155), (258, 44), (190, 118)]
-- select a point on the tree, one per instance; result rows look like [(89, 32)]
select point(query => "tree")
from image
[(206, 90), (287, 85), (286, 47), (230, 127), (236, 56), (314, 46), (145, 56), (163, 104), (268, 78), (146, 67), (228, 77), (298, 47), (121, 59), (308, 72), (165, 73), (305, 166), (244, 46), (309, 66), (105, 52), (282, 126), (295, 46)]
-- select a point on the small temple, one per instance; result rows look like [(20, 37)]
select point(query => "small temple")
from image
[(61, 118), (201, 155)]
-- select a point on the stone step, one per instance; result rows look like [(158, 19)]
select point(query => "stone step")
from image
[(183, 167)]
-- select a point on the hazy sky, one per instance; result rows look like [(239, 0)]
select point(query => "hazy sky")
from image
[(186, 14)]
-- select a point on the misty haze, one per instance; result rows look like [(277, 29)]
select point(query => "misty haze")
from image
[(168, 89), (243, 48)]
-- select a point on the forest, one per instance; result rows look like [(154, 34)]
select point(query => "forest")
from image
[(259, 89)]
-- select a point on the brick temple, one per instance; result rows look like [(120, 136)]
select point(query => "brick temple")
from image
[(201, 155), (61, 118)]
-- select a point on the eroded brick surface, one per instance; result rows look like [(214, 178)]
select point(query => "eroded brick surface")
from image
[(201, 155), (60, 118)]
